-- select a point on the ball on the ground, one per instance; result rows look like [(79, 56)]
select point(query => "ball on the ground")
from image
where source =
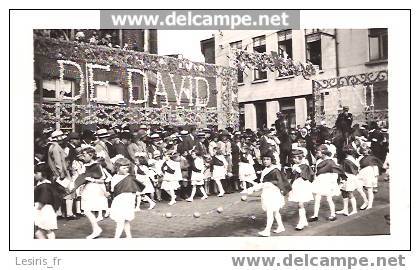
[(168, 215), (243, 198), (219, 209), (196, 214)]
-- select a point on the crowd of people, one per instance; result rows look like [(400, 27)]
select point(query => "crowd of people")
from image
[(110, 172)]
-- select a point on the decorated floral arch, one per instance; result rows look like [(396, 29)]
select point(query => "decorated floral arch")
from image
[(171, 91)]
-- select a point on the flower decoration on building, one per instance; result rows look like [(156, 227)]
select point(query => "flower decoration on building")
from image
[(61, 64), (263, 61)]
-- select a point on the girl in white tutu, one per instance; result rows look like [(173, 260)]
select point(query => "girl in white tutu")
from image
[(368, 174), (325, 183), (220, 166), (94, 194), (301, 185), (347, 186), (197, 175), (172, 174), (274, 187), (47, 201), (247, 172), (144, 175), (124, 187)]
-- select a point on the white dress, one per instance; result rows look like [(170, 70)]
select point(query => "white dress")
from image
[(94, 196), (45, 218), (301, 188), (197, 178), (145, 180), (247, 171), (326, 184), (219, 172), (369, 176), (352, 182), (171, 181), (271, 197), (123, 205)]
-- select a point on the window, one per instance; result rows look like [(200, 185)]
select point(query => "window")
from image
[(285, 46), (111, 94), (51, 89), (287, 107), (378, 44), (313, 50), (380, 95), (261, 112), (259, 47), (238, 46)]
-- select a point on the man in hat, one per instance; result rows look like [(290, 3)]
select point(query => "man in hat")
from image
[(57, 163), (199, 145), (73, 141), (279, 123), (186, 143), (344, 122), (102, 149), (121, 146)]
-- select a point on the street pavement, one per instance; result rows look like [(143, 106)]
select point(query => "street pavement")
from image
[(237, 217)]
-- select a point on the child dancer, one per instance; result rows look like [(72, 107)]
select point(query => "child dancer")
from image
[(143, 174), (351, 169), (325, 183), (302, 176), (47, 201), (197, 175), (246, 169), (124, 187), (219, 164), (171, 175), (274, 187), (94, 195), (156, 168), (369, 172)]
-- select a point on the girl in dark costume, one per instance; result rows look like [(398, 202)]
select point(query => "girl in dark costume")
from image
[(325, 183), (47, 201), (301, 185), (124, 187), (274, 187)]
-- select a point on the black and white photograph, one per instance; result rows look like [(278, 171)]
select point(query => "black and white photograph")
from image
[(273, 133), (284, 133)]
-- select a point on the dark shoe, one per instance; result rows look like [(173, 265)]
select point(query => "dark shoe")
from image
[(60, 217), (298, 229), (72, 217), (332, 218), (80, 215), (312, 219)]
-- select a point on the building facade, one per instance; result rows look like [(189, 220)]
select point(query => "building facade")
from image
[(334, 52)]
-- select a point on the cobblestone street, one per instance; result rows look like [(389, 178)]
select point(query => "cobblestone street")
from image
[(238, 218)]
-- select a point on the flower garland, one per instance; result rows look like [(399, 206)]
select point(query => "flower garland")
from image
[(92, 82), (262, 61), (187, 91), (130, 86), (202, 102), (61, 64), (160, 91)]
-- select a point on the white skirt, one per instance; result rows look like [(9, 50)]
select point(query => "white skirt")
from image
[(197, 182), (93, 197), (46, 218), (219, 173), (301, 191), (247, 172), (148, 186), (352, 183), (122, 207), (271, 198), (326, 185), (368, 176), (170, 185)]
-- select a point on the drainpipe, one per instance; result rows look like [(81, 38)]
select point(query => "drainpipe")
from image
[(337, 70)]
